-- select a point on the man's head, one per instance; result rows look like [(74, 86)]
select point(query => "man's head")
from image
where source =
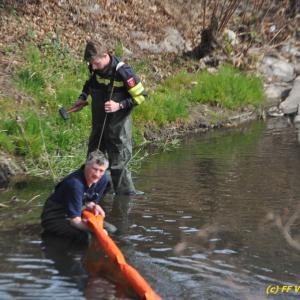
[(95, 167), (96, 55)]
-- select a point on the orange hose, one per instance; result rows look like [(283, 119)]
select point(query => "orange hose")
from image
[(137, 282)]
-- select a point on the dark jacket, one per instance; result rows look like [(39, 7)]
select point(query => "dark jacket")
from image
[(128, 87)]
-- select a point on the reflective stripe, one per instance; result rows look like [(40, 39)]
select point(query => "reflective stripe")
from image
[(136, 90), (107, 81), (139, 99), (118, 83), (102, 80)]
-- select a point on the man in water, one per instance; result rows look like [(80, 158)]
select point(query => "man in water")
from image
[(82, 189)]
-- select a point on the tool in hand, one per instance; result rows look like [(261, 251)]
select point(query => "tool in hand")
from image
[(104, 121), (65, 113)]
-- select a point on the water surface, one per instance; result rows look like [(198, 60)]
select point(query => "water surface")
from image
[(199, 233)]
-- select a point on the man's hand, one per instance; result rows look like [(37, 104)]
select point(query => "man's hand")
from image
[(111, 106), (99, 211), (78, 105), (96, 209)]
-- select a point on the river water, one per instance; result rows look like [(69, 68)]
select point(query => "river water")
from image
[(204, 229)]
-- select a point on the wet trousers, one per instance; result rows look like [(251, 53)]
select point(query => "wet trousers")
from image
[(55, 222)]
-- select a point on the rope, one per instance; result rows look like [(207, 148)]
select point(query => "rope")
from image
[(109, 98)]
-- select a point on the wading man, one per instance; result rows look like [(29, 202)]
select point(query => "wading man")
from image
[(115, 90), (82, 189)]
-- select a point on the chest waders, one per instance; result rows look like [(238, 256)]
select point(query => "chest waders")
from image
[(112, 136), (54, 221)]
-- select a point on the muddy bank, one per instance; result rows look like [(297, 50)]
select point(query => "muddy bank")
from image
[(203, 118)]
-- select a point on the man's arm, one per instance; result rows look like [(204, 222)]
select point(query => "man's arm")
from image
[(81, 102), (73, 197), (85, 90), (134, 87), (79, 224)]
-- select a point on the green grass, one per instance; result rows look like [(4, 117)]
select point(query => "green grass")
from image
[(229, 88), (53, 77), (173, 99)]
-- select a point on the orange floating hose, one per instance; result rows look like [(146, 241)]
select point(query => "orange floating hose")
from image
[(137, 282)]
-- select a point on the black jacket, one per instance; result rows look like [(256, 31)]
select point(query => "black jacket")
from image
[(124, 81)]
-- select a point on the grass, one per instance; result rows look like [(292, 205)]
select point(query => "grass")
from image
[(53, 77), (229, 88)]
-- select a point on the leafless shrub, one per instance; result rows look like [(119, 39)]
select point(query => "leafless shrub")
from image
[(219, 15), (257, 23)]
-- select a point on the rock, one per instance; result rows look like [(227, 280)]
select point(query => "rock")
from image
[(283, 70), (276, 92), (290, 49), (291, 103), (277, 69), (297, 119), (274, 111), (231, 37), (297, 68), (172, 43), (149, 46)]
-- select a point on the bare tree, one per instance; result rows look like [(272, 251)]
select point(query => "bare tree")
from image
[(259, 22), (220, 14)]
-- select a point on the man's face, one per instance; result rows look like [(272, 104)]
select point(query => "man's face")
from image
[(100, 62), (93, 172)]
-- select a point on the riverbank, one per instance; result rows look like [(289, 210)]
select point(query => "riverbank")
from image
[(185, 101)]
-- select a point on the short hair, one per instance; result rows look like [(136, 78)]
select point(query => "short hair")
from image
[(93, 49), (97, 157)]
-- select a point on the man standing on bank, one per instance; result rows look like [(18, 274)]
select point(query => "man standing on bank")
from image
[(112, 117)]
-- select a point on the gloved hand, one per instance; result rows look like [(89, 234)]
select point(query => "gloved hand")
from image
[(78, 105)]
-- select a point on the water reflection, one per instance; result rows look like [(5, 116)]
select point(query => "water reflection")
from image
[(67, 258), (80, 264), (119, 214)]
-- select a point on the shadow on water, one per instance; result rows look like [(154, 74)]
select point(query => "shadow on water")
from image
[(200, 232)]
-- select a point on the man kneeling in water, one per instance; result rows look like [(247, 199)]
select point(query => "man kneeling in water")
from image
[(82, 189)]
